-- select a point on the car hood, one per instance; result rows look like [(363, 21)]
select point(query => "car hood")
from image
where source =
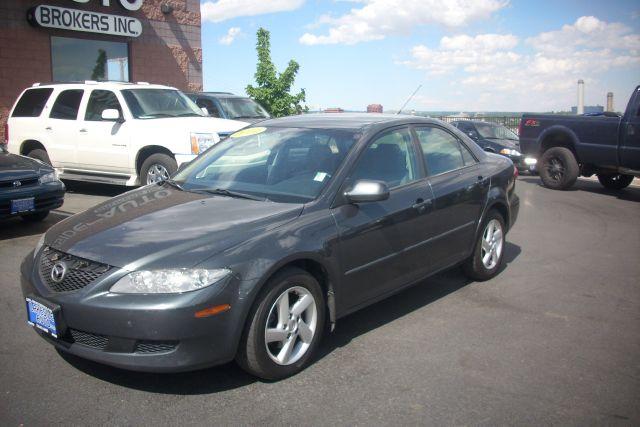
[(13, 166), (159, 226)]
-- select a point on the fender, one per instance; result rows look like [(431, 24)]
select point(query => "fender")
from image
[(558, 129), (496, 198)]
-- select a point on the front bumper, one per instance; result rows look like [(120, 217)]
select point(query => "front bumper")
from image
[(47, 197), (154, 333)]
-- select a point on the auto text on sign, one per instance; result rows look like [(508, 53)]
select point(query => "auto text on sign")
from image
[(81, 20)]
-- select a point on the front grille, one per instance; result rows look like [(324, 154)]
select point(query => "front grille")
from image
[(79, 271), (90, 340), (23, 182), (155, 346)]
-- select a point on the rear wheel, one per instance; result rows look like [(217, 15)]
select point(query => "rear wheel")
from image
[(39, 154), (486, 259), (284, 327), (615, 181), (558, 168), (156, 168)]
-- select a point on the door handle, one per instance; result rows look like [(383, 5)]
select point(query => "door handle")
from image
[(48, 128), (83, 130), (421, 205)]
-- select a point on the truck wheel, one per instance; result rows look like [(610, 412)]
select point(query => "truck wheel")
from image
[(39, 154), (156, 168), (558, 168), (615, 181)]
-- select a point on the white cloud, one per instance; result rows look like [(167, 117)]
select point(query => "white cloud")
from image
[(377, 19), (230, 36), (222, 10), (555, 60)]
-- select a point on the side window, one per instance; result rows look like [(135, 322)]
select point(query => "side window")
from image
[(67, 104), (390, 158), (101, 100), (32, 103), (467, 156), (441, 150), (209, 105)]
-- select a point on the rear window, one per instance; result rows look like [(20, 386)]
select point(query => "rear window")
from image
[(32, 102), (67, 104)]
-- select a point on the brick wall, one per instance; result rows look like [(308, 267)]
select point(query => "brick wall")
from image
[(169, 51)]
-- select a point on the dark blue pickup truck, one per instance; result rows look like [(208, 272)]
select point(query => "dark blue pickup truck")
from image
[(570, 146)]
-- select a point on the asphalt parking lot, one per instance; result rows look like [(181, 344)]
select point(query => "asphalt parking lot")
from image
[(554, 339)]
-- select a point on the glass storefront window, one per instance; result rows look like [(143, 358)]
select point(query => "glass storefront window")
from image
[(80, 59)]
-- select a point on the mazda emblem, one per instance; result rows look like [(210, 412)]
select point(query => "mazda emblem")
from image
[(17, 183), (58, 272)]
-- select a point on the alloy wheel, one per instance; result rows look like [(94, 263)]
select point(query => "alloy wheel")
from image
[(555, 168), (492, 243), (157, 173), (291, 325)]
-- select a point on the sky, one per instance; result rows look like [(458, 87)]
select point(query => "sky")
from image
[(468, 55)]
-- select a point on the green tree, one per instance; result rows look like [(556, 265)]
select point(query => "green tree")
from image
[(100, 70), (272, 89)]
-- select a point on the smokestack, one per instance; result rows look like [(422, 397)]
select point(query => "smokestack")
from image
[(580, 97), (610, 101)]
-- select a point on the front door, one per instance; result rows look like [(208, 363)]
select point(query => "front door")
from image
[(103, 145), (630, 134), (62, 128), (460, 191), (376, 239)]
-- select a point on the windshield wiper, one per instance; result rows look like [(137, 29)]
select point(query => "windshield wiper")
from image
[(173, 184), (189, 115), (249, 117), (155, 116), (231, 193)]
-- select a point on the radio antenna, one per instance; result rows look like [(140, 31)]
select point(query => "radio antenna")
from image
[(407, 101)]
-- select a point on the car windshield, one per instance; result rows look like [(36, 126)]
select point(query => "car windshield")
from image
[(159, 103), (242, 108), (288, 165), (492, 131)]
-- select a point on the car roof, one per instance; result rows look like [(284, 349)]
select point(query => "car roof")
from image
[(217, 94), (103, 85), (344, 120)]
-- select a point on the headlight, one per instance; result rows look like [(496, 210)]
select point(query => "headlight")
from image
[(168, 281), (201, 141), (48, 177), (38, 246), (509, 152)]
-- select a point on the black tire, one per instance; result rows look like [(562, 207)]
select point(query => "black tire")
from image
[(35, 217), (252, 353), (39, 154), (473, 267), (558, 168), (615, 181), (163, 160)]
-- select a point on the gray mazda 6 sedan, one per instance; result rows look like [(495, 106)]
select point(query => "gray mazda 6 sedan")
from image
[(256, 248)]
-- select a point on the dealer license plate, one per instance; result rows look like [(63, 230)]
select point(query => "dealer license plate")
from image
[(22, 205), (42, 317)]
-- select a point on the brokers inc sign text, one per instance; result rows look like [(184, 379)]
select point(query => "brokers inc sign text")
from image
[(82, 20)]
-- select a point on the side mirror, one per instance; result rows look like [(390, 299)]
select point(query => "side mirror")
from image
[(205, 111), (367, 191), (112, 115)]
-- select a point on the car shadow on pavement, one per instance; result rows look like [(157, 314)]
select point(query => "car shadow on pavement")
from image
[(15, 227), (630, 193), (95, 189), (230, 376)]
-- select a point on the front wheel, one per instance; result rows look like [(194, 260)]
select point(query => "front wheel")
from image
[(39, 154), (558, 168), (615, 181), (486, 259), (284, 327), (156, 168)]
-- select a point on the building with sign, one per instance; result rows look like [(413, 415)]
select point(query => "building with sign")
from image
[(156, 41)]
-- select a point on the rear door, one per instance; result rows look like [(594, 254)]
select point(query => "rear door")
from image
[(630, 134), (459, 190), (103, 145), (376, 239), (62, 127)]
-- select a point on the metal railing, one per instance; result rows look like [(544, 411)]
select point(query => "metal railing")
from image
[(511, 122)]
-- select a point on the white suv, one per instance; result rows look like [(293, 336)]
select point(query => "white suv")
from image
[(118, 133)]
